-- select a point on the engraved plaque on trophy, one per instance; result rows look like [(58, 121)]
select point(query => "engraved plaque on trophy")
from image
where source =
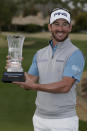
[(14, 71)]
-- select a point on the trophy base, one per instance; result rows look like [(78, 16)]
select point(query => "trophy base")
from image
[(9, 77)]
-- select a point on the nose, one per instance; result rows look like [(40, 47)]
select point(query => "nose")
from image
[(60, 27)]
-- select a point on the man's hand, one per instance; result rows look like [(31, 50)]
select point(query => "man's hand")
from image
[(28, 84), (8, 64)]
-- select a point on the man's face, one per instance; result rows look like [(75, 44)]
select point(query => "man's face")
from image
[(60, 30)]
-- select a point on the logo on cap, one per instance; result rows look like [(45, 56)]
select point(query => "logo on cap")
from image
[(60, 13)]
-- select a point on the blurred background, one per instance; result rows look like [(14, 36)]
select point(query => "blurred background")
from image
[(30, 18), (33, 15)]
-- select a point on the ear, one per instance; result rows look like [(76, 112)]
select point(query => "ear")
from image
[(70, 27), (49, 27)]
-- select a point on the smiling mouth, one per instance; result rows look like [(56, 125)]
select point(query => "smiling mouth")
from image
[(60, 33)]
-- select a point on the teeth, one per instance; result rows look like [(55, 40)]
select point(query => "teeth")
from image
[(60, 34)]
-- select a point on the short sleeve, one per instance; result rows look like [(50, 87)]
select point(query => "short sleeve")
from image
[(33, 70), (74, 65)]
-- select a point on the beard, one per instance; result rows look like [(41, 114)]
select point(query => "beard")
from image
[(59, 39)]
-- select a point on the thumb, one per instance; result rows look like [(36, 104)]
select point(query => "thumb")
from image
[(26, 76)]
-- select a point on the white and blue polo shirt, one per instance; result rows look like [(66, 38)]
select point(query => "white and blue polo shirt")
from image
[(73, 68)]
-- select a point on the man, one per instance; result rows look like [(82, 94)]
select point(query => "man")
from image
[(58, 68)]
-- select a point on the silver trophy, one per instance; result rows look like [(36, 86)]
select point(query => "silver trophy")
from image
[(15, 70)]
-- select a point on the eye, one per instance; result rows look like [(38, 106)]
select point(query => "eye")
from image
[(65, 24), (56, 23)]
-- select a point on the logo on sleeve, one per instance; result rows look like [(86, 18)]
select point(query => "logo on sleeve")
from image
[(76, 68)]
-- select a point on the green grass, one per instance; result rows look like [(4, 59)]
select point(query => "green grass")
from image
[(16, 105)]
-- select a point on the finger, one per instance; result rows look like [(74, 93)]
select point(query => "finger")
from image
[(7, 66), (26, 75), (8, 57), (19, 83), (7, 61), (21, 58)]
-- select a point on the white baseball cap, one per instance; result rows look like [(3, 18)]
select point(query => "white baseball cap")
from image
[(60, 13)]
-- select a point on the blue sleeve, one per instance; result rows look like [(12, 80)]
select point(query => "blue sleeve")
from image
[(75, 65), (33, 70)]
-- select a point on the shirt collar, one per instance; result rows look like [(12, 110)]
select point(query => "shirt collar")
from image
[(51, 43), (59, 45)]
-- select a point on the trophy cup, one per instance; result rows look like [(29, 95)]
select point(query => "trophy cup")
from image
[(14, 71)]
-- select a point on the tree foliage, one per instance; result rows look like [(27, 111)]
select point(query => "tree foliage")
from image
[(10, 8), (32, 6), (81, 22), (27, 7), (7, 11)]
